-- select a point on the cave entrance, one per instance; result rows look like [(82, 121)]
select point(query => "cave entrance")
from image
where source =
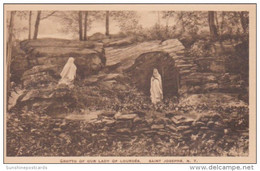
[(141, 72)]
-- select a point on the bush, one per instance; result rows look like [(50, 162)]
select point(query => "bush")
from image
[(201, 48)]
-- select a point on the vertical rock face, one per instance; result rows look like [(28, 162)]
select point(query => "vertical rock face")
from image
[(142, 70)]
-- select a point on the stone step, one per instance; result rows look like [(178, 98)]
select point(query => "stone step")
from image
[(184, 72), (176, 57), (186, 66), (180, 61)]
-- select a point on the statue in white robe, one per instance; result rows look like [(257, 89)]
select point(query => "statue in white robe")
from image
[(156, 87), (68, 73)]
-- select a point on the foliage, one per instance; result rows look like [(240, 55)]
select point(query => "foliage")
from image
[(128, 21), (201, 48), (70, 19)]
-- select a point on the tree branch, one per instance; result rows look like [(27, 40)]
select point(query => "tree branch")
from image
[(48, 15)]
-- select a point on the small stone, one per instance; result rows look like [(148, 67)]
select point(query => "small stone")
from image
[(182, 128), (124, 130), (57, 129), (179, 117), (188, 121), (137, 120), (210, 124), (108, 113), (187, 132), (199, 124), (159, 121), (125, 116), (218, 125), (150, 121), (204, 128), (226, 131), (194, 137), (97, 121), (167, 121), (141, 130), (185, 148), (161, 126), (62, 135), (162, 133), (150, 131), (225, 120), (172, 128), (175, 121), (108, 121)]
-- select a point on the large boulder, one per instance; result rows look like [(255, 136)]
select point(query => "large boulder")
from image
[(40, 76), (27, 45), (89, 56), (142, 70), (124, 56), (97, 36), (52, 100), (118, 42)]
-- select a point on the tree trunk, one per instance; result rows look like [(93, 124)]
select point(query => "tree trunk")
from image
[(212, 26), (243, 21), (80, 25), (37, 23), (30, 24), (85, 25), (222, 23), (107, 23), (167, 27), (9, 55), (217, 24), (158, 15), (182, 22)]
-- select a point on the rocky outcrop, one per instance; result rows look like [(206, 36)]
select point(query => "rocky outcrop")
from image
[(89, 56), (105, 115), (125, 56), (45, 59), (196, 74), (136, 133), (121, 42)]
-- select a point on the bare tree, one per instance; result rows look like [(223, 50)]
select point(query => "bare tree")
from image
[(85, 25), (36, 26), (80, 25), (212, 26), (77, 22), (9, 51), (37, 22), (30, 25), (107, 23)]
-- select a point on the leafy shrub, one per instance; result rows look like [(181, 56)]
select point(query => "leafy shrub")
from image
[(201, 48)]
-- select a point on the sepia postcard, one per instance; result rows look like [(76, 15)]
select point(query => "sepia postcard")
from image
[(130, 83)]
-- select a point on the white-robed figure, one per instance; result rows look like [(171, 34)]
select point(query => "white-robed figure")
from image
[(68, 72), (156, 87)]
